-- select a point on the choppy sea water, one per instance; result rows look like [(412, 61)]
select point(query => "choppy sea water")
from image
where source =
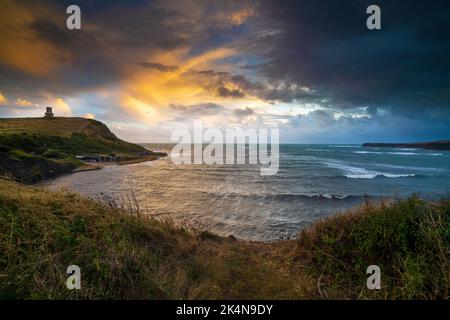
[(313, 181)]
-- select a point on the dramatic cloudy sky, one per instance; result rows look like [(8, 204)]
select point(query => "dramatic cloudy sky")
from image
[(310, 67)]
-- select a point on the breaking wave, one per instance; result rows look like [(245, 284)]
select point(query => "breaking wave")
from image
[(399, 153), (361, 173)]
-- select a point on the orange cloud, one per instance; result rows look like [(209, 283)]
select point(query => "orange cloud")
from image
[(239, 17), (158, 89), (21, 49), (175, 78), (3, 100), (23, 103), (61, 106)]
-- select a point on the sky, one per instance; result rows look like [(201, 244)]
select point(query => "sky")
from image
[(310, 68)]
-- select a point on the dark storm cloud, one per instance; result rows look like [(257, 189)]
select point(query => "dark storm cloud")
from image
[(81, 58), (403, 68), (52, 32), (158, 66), (184, 113), (227, 93), (114, 35), (201, 109), (215, 81), (295, 52), (207, 73), (243, 112)]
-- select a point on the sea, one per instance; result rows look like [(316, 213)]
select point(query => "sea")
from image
[(313, 182)]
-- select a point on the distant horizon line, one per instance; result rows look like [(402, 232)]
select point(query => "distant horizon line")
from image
[(292, 143), (284, 143), (304, 143)]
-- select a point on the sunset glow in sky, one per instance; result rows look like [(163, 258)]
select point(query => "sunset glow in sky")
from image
[(312, 68)]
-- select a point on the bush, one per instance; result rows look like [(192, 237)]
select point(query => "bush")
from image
[(54, 154), (19, 155), (409, 241)]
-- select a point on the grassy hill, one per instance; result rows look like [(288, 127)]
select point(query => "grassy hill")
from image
[(32, 149), (124, 254), (58, 126), (76, 135)]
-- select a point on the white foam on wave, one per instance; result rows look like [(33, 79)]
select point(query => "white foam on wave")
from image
[(368, 152), (311, 196), (361, 173), (391, 166), (318, 150), (404, 153), (414, 154), (400, 175), (399, 153)]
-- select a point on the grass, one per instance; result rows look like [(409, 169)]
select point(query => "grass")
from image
[(57, 147), (125, 254), (66, 135), (409, 241), (122, 254), (32, 149), (66, 128), (58, 126)]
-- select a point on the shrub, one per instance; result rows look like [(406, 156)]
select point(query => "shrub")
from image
[(19, 155), (54, 154), (408, 240)]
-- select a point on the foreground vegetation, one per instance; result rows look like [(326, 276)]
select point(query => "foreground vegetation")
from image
[(124, 254), (408, 240)]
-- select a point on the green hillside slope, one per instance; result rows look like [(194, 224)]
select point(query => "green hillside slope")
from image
[(75, 135), (33, 149)]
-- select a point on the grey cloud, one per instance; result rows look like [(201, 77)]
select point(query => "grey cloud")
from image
[(158, 66), (202, 109), (226, 93), (215, 81), (243, 112), (403, 68), (401, 71), (114, 33)]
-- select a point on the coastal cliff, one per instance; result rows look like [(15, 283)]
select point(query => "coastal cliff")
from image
[(34, 149)]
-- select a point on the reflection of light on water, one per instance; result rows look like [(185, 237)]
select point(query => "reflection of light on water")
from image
[(236, 199)]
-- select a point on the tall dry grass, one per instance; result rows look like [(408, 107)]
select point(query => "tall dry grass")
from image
[(126, 253)]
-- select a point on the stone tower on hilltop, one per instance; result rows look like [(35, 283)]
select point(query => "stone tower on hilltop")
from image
[(48, 113)]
